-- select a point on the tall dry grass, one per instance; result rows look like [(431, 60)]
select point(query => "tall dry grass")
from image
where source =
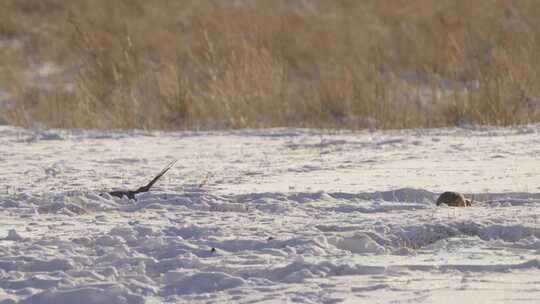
[(199, 64)]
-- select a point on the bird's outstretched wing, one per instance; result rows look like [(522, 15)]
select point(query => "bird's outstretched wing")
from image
[(153, 181), (131, 194)]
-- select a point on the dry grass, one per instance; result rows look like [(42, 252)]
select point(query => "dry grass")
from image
[(199, 64)]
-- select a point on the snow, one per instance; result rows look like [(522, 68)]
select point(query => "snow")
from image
[(266, 216)]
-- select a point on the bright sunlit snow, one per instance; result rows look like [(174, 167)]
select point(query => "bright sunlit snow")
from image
[(271, 216)]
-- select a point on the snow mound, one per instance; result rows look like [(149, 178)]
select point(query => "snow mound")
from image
[(63, 208), (88, 295), (203, 282), (280, 215), (300, 270), (359, 243)]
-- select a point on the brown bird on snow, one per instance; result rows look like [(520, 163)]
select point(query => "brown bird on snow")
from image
[(131, 193), (453, 199)]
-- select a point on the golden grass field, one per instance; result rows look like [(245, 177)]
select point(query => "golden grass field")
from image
[(201, 64)]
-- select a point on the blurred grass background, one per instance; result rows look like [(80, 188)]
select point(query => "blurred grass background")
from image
[(202, 64)]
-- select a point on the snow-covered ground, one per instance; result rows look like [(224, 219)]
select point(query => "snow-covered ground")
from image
[(270, 216)]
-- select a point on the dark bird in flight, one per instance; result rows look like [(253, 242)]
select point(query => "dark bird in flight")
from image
[(131, 193)]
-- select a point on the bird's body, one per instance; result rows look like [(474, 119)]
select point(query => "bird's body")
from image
[(453, 199)]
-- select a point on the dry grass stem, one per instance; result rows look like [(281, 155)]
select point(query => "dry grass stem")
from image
[(201, 64)]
